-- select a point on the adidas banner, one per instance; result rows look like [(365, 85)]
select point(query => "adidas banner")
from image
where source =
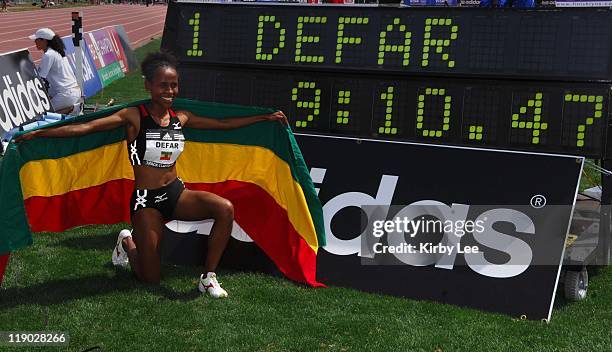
[(472, 227), (22, 94)]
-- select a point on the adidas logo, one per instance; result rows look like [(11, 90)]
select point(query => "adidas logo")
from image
[(21, 101), (167, 137)]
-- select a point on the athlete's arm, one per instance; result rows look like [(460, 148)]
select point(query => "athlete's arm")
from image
[(195, 121), (120, 118)]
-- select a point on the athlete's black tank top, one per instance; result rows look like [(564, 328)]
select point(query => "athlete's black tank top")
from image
[(154, 145)]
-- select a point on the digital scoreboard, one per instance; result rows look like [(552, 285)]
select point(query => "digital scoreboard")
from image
[(510, 79)]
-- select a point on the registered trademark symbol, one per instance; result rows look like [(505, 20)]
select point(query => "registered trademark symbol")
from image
[(538, 201)]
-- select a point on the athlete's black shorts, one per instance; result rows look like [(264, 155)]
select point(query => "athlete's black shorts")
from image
[(163, 199)]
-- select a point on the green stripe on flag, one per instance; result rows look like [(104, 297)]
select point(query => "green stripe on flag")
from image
[(13, 221)]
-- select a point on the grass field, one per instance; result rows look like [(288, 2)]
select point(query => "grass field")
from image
[(65, 282)]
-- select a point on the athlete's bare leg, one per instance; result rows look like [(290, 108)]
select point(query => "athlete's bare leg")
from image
[(199, 205), (144, 249)]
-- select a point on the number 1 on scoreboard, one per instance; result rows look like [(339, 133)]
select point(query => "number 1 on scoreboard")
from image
[(195, 49)]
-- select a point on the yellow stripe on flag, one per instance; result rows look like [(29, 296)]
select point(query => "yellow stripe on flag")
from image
[(52, 177), (218, 162)]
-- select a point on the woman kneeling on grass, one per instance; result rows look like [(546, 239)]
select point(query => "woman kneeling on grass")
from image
[(155, 140)]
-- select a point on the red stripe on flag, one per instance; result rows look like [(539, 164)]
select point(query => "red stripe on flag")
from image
[(104, 204), (3, 263), (255, 210), (269, 226)]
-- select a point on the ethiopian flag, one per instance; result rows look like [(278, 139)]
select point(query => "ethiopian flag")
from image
[(53, 184)]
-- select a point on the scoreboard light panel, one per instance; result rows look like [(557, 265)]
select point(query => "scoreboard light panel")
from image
[(526, 80)]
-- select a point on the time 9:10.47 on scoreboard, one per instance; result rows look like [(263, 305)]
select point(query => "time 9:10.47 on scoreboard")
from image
[(539, 116)]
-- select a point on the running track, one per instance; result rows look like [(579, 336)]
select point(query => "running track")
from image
[(140, 22)]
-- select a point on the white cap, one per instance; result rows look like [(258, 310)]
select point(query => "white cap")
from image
[(43, 33)]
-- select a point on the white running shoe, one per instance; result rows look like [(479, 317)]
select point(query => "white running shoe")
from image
[(211, 285), (120, 257)]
